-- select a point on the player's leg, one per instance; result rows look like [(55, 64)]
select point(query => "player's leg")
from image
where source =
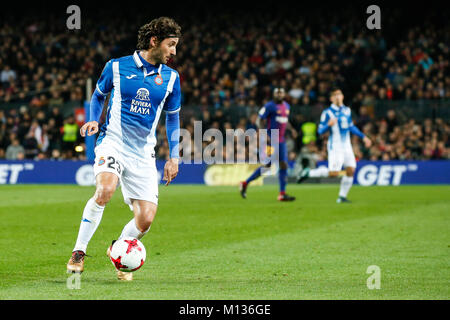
[(144, 213), (347, 179), (255, 175), (265, 158), (335, 161), (139, 186), (107, 171), (346, 184), (106, 183), (282, 173), (306, 173), (282, 180), (321, 172)]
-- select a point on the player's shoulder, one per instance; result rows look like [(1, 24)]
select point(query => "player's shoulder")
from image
[(327, 109), (327, 113), (123, 59), (270, 104), (347, 111), (166, 69)]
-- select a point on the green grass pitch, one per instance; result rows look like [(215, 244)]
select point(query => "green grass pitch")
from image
[(208, 243)]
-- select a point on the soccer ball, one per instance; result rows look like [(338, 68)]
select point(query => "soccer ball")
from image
[(127, 254)]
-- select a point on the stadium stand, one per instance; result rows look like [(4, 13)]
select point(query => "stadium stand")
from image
[(397, 83)]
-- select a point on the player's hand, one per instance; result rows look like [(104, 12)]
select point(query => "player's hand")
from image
[(170, 170), (367, 142), (91, 128), (332, 122)]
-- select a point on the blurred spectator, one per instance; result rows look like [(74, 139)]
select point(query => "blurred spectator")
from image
[(7, 75), (227, 63), (309, 132), (14, 151), (70, 131)]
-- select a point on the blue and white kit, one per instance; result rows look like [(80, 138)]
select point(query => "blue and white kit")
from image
[(340, 151), (140, 91)]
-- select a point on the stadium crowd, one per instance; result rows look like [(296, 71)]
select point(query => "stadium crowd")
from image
[(225, 61)]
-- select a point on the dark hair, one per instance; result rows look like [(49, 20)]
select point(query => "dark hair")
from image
[(334, 89), (161, 28)]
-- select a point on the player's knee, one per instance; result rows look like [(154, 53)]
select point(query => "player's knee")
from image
[(145, 222), (104, 193), (145, 219), (350, 172), (143, 226)]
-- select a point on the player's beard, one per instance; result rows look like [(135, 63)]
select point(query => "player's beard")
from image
[(158, 55)]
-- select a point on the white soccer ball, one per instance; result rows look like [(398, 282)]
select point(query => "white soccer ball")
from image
[(128, 254)]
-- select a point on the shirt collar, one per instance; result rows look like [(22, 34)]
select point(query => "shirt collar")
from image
[(141, 62), (335, 107)]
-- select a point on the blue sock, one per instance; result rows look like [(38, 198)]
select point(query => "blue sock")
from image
[(282, 174), (255, 175)]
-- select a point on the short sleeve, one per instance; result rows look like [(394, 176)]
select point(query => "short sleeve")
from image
[(105, 82), (173, 101), (264, 112), (323, 125), (324, 117)]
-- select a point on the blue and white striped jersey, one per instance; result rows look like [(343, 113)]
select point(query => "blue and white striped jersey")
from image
[(139, 93), (339, 138)]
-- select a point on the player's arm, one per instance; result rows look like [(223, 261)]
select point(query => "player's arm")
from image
[(354, 129), (326, 122), (291, 128), (263, 113), (104, 86), (258, 122), (173, 134), (172, 108)]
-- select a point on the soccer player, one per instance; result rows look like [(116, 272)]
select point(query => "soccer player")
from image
[(337, 119), (141, 87), (277, 113)]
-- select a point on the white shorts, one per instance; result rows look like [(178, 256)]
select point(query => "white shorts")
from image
[(341, 158), (138, 178)]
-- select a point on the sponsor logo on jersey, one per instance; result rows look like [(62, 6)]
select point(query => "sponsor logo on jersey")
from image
[(344, 122), (281, 119), (143, 94), (141, 103)]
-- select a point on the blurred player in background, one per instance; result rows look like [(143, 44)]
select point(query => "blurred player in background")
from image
[(337, 119), (276, 112), (141, 86)]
